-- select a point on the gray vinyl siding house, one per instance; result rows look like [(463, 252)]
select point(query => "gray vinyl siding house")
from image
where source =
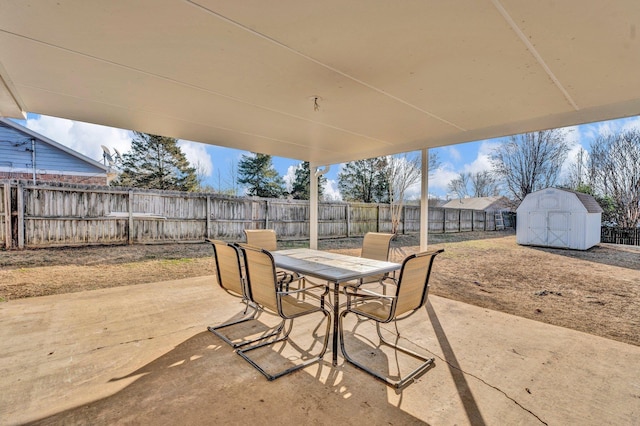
[(27, 155)]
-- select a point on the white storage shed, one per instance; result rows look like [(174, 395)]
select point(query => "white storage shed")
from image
[(562, 218)]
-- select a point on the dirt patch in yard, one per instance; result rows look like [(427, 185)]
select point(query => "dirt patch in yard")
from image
[(596, 291)]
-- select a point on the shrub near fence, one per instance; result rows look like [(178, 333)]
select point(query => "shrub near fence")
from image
[(45, 215)]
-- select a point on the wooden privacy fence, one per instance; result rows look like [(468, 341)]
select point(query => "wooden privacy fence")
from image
[(46, 216)]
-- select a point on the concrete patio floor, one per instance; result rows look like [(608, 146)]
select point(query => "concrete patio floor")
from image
[(141, 355)]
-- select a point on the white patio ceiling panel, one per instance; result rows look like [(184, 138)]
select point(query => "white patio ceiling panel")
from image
[(392, 76)]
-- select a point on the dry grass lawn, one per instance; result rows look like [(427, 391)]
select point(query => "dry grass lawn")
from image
[(595, 291)]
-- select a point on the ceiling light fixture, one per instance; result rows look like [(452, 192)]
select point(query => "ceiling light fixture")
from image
[(316, 105)]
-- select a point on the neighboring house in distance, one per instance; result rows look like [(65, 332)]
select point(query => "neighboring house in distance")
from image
[(25, 154), (487, 204)]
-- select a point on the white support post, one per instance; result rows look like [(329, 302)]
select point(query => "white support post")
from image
[(314, 173), (313, 206), (424, 201)]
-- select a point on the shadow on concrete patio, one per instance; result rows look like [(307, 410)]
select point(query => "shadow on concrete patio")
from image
[(140, 354)]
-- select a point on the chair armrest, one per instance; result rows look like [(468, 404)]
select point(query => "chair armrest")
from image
[(359, 292), (389, 278), (304, 289)]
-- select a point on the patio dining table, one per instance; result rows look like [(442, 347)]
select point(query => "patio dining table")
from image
[(333, 268)]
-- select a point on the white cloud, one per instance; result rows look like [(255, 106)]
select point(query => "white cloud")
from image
[(439, 180), (454, 153), (482, 161), (85, 138), (290, 177), (198, 156), (331, 191), (413, 192), (631, 123), (573, 137)]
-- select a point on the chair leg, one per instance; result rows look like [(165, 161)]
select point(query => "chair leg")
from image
[(396, 384), (243, 351), (217, 330)]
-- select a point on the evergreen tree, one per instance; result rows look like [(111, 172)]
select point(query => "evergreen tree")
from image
[(261, 179), (364, 181), (301, 184), (156, 162)]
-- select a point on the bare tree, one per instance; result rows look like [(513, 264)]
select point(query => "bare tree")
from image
[(615, 164), (232, 185), (578, 170), (460, 185), (530, 161), (484, 184), (201, 177), (402, 172)]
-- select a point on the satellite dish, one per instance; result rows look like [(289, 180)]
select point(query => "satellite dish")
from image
[(118, 155), (106, 155)]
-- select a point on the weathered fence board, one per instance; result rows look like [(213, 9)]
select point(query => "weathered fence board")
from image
[(5, 215), (67, 215)]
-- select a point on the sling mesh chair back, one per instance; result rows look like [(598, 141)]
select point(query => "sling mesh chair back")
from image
[(230, 277), (262, 238), (375, 245), (410, 295), (265, 291), (267, 239)]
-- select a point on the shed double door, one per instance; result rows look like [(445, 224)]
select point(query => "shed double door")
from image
[(550, 228)]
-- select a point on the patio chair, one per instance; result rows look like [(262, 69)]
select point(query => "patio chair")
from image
[(410, 295), (264, 291), (231, 279), (266, 239), (375, 245)]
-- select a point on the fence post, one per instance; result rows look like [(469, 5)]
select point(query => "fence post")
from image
[(348, 214), (444, 220), (7, 215), (266, 214), (207, 210), (20, 207), (378, 218), (403, 215), (130, 208)]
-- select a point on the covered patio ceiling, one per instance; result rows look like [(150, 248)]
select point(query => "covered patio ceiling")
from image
[(388, 76)]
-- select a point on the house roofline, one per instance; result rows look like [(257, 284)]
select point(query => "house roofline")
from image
[(53, 143)]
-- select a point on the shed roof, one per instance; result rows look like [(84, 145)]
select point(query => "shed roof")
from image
[(589, 203), (478, 203)]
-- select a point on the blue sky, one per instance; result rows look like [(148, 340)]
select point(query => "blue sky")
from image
[(216, 162)]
